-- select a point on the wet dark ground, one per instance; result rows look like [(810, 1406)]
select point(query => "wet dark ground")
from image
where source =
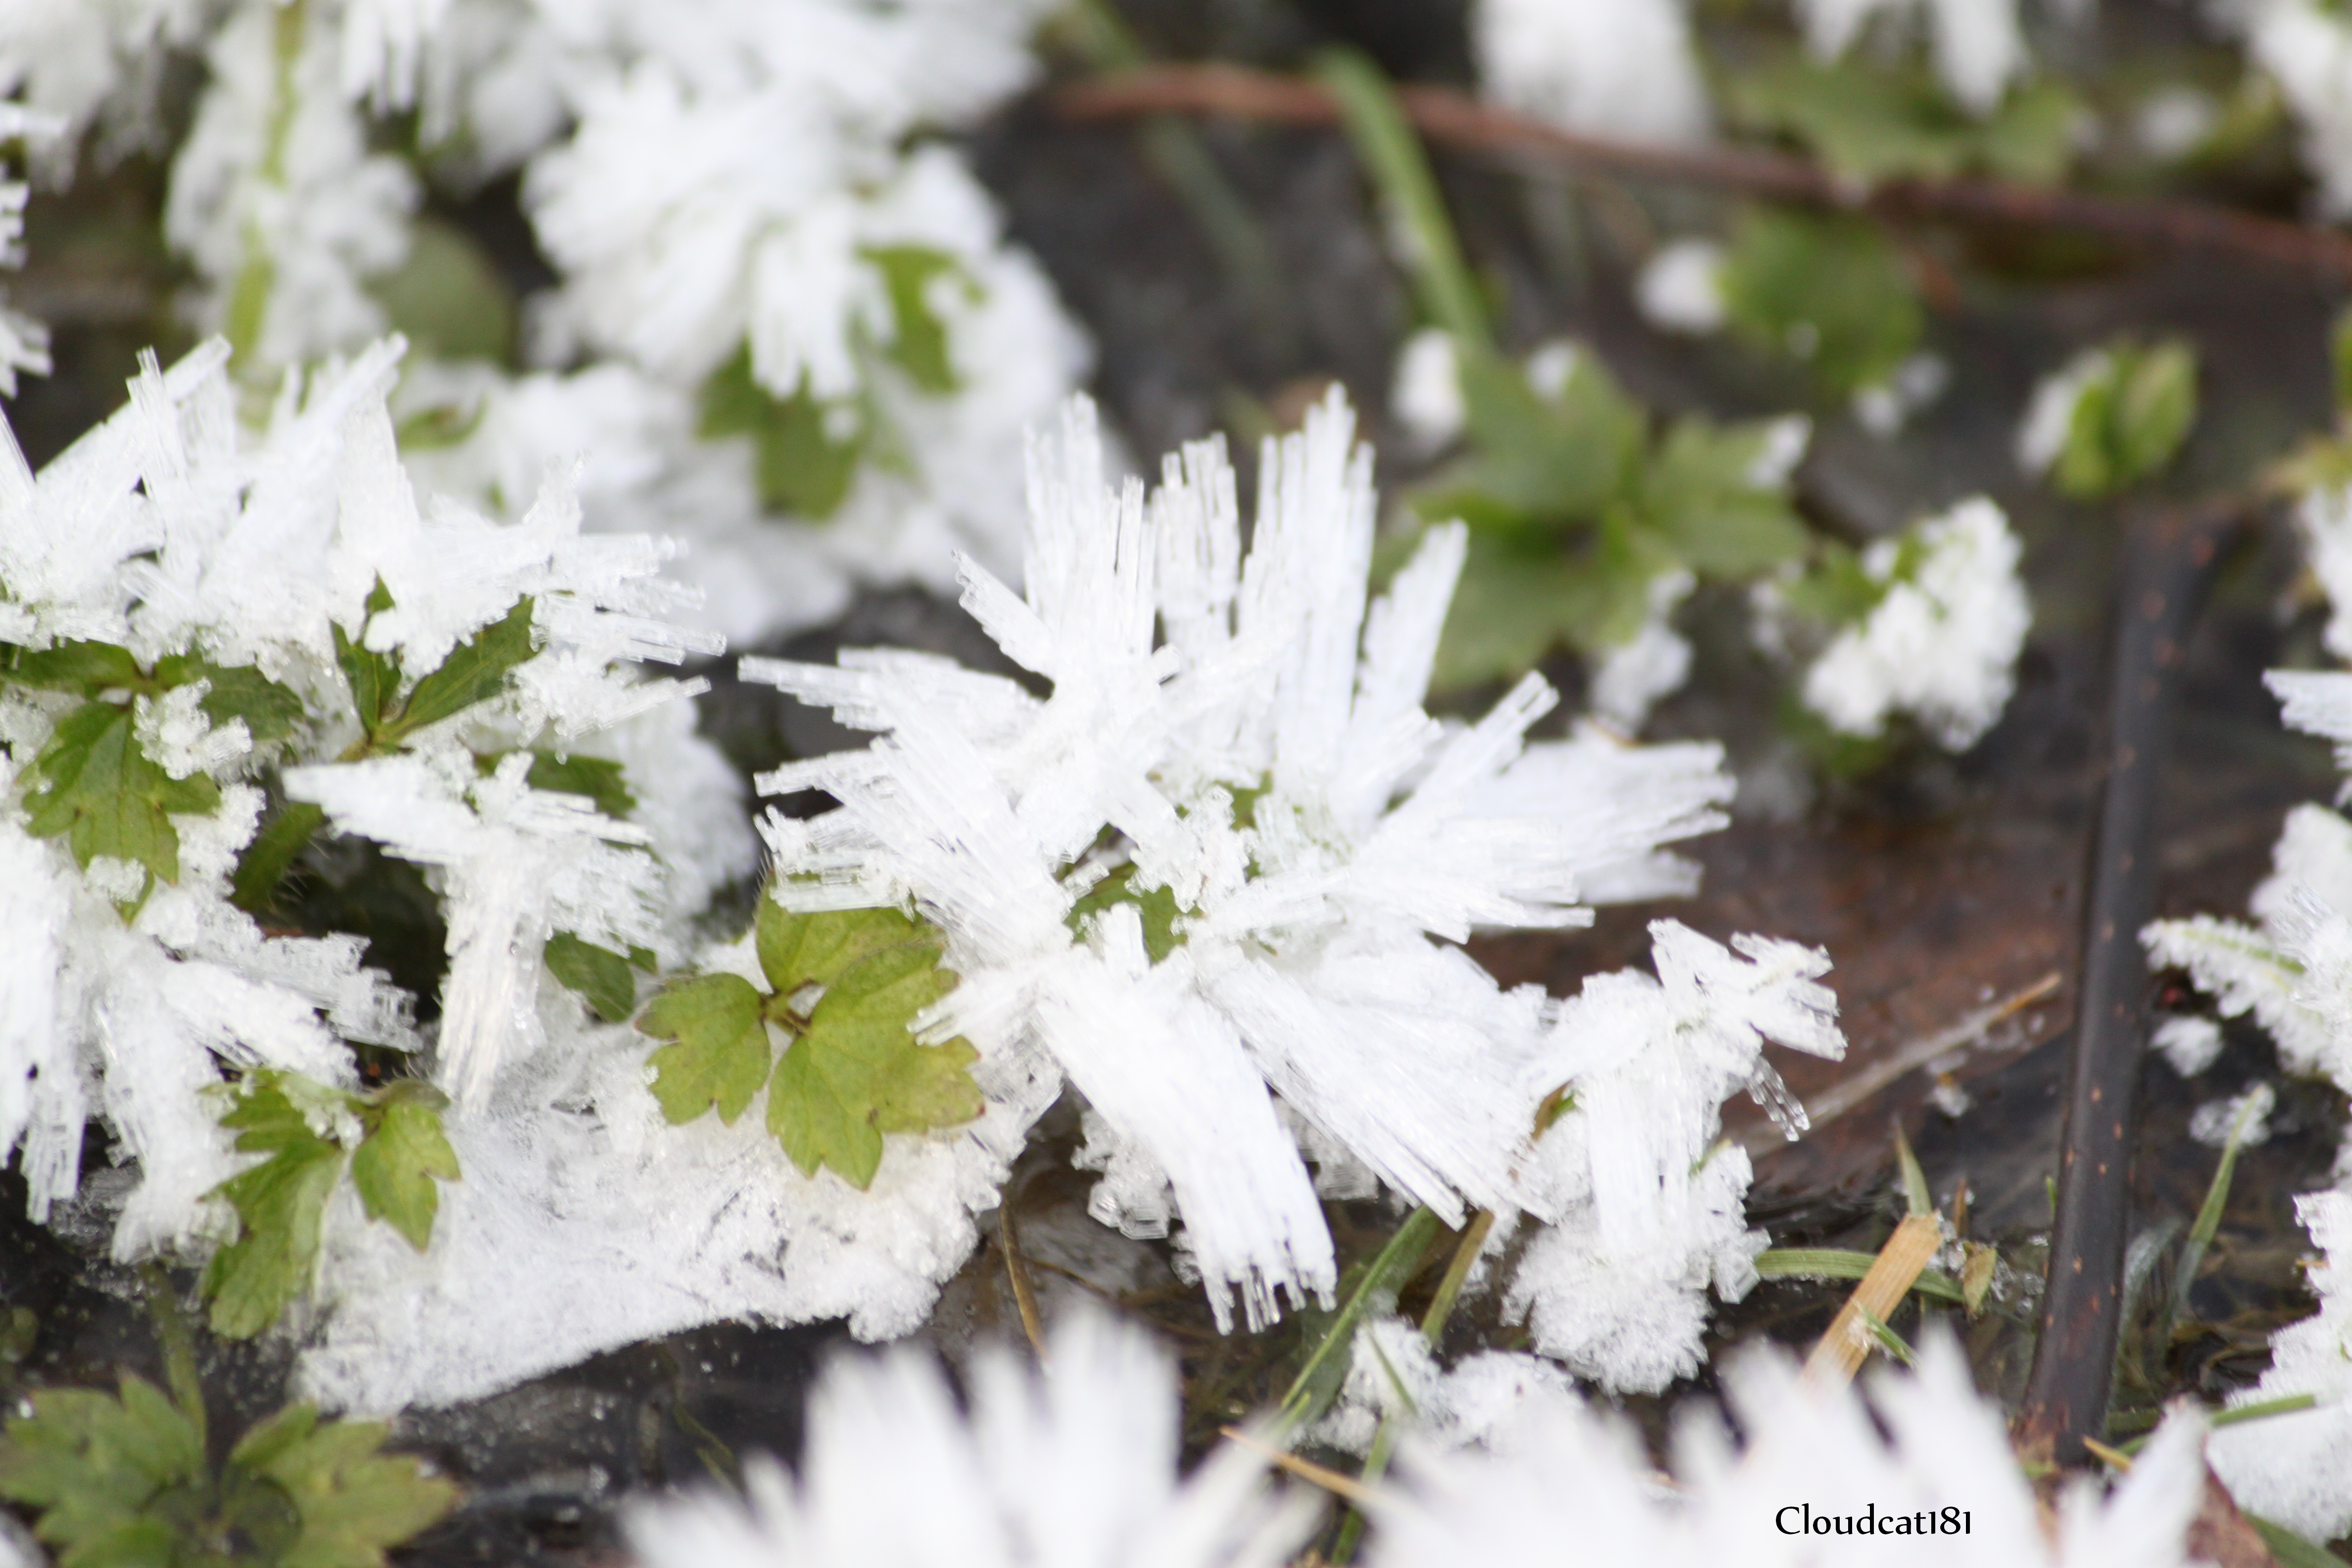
[(1937, 885)]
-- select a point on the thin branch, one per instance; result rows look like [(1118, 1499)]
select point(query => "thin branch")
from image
[(1330, 1480), (1839, 1353), (1456, 120)]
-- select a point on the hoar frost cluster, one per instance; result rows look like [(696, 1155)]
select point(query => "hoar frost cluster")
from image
[(1215, 879)]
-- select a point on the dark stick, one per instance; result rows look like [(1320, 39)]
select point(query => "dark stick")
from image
[(2170, 560), (1459, 121)]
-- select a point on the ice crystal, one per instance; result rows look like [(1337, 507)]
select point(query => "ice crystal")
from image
[(2305, 46), (1618, 68), (1228, 854), (1979, 47), (1942, 641), (2297, 1468), (1074, 1465), (1921, 1447), (1681, 288)]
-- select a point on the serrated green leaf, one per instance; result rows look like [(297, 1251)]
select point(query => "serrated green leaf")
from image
[(279, 1204), (395, 1165), (87, 669), (373, 678), (1831, 291), (857, 1071), (93, 1463), (599, 778), (918, 343), (1698, 491), (1512, 606), (805, 465), (797, 950), (721, 1053), (100, 789), (1539, 463), (602, 977), (2130, 419), (475, 671), (269, 710), (1871, 122), (355, 1502)]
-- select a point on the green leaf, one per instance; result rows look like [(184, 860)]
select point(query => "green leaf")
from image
[(1157, 906), (269, 710), (475, 671), (92, 1463), (1539, 463), (98, 787), (1831, 291), (2339, 360), (1699, 493), (373, 676), (447, 298), (353, 1501), (1872, 122), (602, 977), (598, 778), (721, 1052), (2130, 419), (818, 949), (807, 451), (395, 1166), (89, 668), (857, 1071), (918, 344), (279, 1205), (1513, 605), (263, 867), (1836, 592)]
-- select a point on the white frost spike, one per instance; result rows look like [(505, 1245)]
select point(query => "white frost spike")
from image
[(1942, 644), (1074, 1466), (1921, 1443), (1648, 1202), (1267, 770), (522, 864)]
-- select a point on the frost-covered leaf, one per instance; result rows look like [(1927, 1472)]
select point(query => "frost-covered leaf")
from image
[(278, 1203), (353, 1501), (269, 709), (475, 671), (601, 779), (89, 668), (1156, 905), (372, 678), (919, 343), (2129, 419), (1870, 122), (1537, 461), (395, 1167), (101, 790), (857, 1071), (800, 949), (721, 1054), (1832, 292), (103, 1471), (808, 451), (1704, 491), (602, 977)]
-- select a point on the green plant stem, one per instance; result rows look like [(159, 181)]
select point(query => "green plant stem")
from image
[(179, 1348), (1449, 1286), (2209, 1218), (1393, 156), (248, 298), (1318, 1383), (1835, 1263)]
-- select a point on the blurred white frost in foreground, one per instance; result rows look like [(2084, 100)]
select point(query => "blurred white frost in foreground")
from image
[(1071, 1464), (1219, 872)]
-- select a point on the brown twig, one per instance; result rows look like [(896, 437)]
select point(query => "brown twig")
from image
[(1330, 1480), (1457, 120), (2168, 560), (1842, 1349), (1016, 1268)]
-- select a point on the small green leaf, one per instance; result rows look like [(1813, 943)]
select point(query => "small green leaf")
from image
[(1513, 605), (1538, 463), (805, 465), (269, 710), (395, 1166), (797, 950), (721, 1052), (353, 1501), (602, 977), (1699, 491), (262, 868), (373, 676), (98, 787), (1831, 291), (2129, 420), (599, 778), (919, 342), (857, 1071), (1871, 122), (87, 669), (475, 671), (92, 1463), (279, 1204), (447, 298), (1156, 905)]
